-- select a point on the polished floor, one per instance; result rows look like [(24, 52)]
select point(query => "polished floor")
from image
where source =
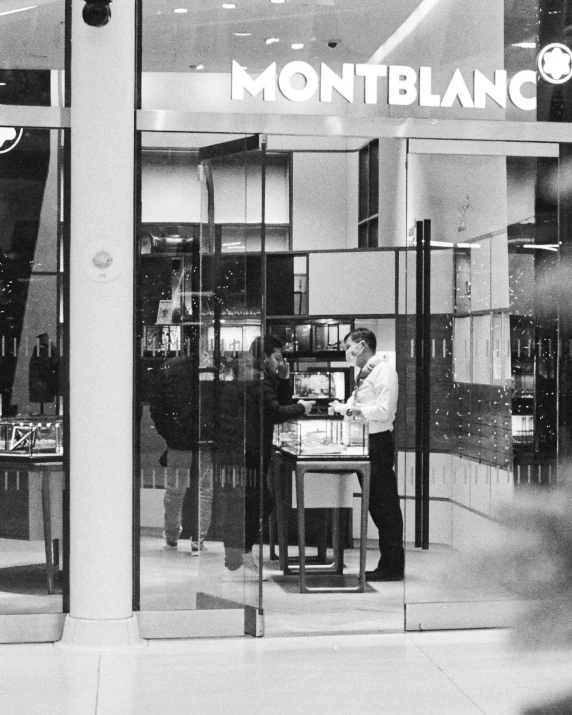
[(453, 673)]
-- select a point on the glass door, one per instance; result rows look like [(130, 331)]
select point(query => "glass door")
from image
[(481, 337), (200, 317)]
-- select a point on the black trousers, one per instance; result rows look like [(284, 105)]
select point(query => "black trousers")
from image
[(384, 505), (240, 511)]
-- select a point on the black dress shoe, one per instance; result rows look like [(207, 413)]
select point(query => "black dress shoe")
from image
[(384, 575)]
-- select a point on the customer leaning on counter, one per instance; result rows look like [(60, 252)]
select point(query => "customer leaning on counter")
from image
[(374, 400)]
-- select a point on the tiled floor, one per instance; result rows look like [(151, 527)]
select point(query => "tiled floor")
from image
[(454, 673)]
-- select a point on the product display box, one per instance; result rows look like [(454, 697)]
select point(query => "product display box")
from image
[(31, 437), (325, 437)]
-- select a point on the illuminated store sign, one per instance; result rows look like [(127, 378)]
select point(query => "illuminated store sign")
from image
[(405, 85), (555, 63)]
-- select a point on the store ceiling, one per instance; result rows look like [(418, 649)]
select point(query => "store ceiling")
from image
[(204, 33), (258, 32)]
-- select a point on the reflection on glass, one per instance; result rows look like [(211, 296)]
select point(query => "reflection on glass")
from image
[(493, 379), (31, 349), (199, 313)]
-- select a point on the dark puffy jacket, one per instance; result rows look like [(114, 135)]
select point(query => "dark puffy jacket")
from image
[(172, 407), (240, 412)]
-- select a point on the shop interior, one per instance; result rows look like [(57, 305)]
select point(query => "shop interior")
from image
[(238, 236)]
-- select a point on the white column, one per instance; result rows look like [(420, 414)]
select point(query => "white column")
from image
[(101, 316)]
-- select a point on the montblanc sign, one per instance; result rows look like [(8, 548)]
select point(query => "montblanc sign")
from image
[(405, 85)]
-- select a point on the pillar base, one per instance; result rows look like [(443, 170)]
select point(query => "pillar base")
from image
[(84, 634)]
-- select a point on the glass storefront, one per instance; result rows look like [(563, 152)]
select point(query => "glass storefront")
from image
[(488, 409), (33, 334), (303, 170), (33, 359), (337, 255)]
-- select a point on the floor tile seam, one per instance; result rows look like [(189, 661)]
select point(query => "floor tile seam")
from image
[(449, 678)]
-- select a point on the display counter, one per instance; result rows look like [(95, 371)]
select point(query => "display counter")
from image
[(31, 461), (333, 450)]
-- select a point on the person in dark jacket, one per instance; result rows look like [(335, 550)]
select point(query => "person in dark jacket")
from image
[(251, 404), (174, 411), (43, 379)]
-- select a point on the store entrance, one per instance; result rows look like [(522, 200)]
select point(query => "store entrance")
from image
[(241, 239), (442, 249)]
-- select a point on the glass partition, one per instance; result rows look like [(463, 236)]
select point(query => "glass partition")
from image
[(32, 375), (199, 314), (490, 249)]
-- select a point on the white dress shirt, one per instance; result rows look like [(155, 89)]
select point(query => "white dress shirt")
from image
[(375, 394)]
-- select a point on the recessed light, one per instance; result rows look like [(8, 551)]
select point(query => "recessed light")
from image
[(272, 40), (297, 46), (229, 5), (200, 67), (180, 10), (242, 34), (278, 2)]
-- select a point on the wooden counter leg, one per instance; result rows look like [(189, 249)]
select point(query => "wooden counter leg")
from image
[(301, 528), (363, 531), (282, 517)]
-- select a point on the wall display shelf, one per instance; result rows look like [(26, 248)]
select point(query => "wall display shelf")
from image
[(312, 337), (178, 239)]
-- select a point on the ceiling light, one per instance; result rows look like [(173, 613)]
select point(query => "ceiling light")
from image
[(229, 5), (200, 67), (20, 9), (272, 40), (180, 9), (242, 34), (525, 45), (297, 45), (2, 84), (278, 2), (233, 243)]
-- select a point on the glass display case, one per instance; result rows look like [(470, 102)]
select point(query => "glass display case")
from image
[(31, 437), (331, 437)]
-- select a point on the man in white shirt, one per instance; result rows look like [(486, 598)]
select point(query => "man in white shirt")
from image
[(374, 400)]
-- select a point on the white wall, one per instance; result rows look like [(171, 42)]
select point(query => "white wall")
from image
[(346, 283), (442, 277), (171, 190), (392, 192), (324, 196)]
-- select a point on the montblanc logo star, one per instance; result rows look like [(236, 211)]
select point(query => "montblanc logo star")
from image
[(555, 63)]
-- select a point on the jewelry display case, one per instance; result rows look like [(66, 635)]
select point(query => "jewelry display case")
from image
[(31, 437), (322, 437)]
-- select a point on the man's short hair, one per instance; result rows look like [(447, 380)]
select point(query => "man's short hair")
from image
[(268, 345), (364, 334)]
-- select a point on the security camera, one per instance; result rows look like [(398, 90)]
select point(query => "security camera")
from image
[(332, 44), (96, 14)]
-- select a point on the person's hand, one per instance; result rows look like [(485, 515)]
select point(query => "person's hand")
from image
[(307, 404), (355, 413), (338, 407)]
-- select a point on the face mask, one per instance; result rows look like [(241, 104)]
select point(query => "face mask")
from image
[(351, 357)]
